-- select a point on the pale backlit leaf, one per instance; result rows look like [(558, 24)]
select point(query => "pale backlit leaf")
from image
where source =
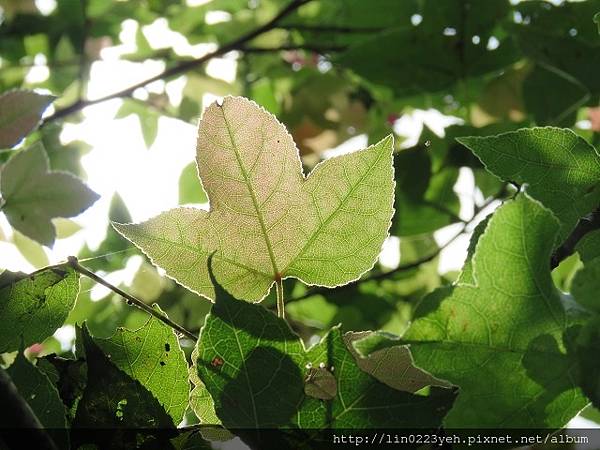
[(267, 220)]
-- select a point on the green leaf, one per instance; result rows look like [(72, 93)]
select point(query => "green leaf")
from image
[(200, 400), (587, 345), (579, 57), (586, 285), (597, 20), (256, 371), (589, 246), (126, 404), (70, 377), (561, 19), (438, 52), (502, 338), (42, 396), (190, 188), (561, 107), (33, 195), (33, 306), (20, 113), (561, 169), (268, 221), (152, 356)]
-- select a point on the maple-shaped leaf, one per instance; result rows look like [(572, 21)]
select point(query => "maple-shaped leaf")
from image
[(502, 333), (32, 194), (267, 220)]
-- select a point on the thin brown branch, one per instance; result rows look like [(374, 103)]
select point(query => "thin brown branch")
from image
[(583, 227), (321, 49), (330, 28), (74, 263), (182, 67)]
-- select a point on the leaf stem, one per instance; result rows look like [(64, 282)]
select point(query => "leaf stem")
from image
[(280, 302), (131, 300)]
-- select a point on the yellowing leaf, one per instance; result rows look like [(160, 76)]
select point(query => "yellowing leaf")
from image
[(267, 220)]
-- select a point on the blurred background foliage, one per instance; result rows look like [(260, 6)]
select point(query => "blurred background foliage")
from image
[(339, 75)]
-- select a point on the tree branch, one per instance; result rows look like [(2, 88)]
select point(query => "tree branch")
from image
[(583, 227), (74, 263), (308, 47), (182, 67), (330, 28)]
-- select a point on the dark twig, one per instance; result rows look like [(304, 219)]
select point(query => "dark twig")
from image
[(330, 28), (583, 227), (18, 415), (74, 263), (308, 47), (182, 67)]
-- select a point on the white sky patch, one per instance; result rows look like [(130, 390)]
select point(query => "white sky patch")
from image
[(214, 17), (410, 125), (223, 68), (39, 72), (390, 253), (174, 90), (209, 98), (127, 37), (45, 6), (159, 36), (11, 259), (582, 422), (453, 256), (118, 75), (351, 145), (65, 335), (147, 179), (465, 190)]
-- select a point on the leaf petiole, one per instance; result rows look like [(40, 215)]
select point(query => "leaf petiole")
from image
[(280, 302)]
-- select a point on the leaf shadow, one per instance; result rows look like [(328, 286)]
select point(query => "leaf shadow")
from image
[(263, 397), (547, 364), (265, 393)]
